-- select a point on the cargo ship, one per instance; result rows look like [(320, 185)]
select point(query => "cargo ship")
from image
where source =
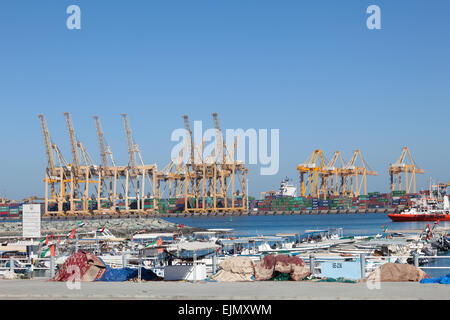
[(286, 189), (425, 209)]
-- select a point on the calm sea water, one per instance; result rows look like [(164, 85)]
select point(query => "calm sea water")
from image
[(352, 224)]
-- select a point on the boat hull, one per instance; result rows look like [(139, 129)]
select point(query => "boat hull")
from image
[(402, 217)]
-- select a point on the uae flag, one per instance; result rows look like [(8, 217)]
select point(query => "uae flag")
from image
[(49, 252), (5, 243), (155, 243), (80, 224), (72, 234), (100, 229)]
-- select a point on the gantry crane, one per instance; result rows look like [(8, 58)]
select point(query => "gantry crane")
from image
[(441, 188), (232, 169), (312, 168), (330, 175), (109, 175), (410, 169), (215, 177), (352, 184), (138, 173), (193, 178), (70, 183), (82, 174), (57, 174)]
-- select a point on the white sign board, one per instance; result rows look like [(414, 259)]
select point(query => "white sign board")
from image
[(347, 270), (31, 220)]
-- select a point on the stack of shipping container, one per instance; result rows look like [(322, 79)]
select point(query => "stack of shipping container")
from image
[(373, 200), (11, 210)]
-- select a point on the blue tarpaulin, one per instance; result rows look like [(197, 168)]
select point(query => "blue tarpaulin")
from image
[(441, 280), (126, 274)]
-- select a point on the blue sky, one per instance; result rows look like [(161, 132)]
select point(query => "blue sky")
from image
[(311, 69)]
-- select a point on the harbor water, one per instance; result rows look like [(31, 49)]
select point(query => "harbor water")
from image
[(352, 225)]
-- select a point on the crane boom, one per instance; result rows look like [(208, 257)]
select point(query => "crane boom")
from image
[(131, 147), (220, 143), (188, 129), (101, 142), (47, 142), (73, 141)]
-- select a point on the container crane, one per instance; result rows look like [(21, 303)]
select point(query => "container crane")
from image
[(409, 169), (81, 172), (353, 171), (108, 175), (312, 168), (55, 173), (138, 172), (330, 175)]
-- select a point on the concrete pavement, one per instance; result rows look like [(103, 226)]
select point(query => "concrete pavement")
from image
[(261, 290)]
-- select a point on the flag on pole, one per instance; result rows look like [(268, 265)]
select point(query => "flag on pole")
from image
[(5, 243), (49, 252), (151, 244), (101, 229), (157, 242), (72, 234)]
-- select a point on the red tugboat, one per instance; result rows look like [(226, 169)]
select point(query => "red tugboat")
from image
[(424, 210)]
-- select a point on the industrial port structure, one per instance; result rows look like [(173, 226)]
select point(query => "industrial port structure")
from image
[(193, 183), (215, 184), (336, 177)]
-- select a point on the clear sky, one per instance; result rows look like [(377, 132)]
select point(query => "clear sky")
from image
[(311, 69)]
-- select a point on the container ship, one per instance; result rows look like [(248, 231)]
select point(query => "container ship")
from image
[(287, 200)]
